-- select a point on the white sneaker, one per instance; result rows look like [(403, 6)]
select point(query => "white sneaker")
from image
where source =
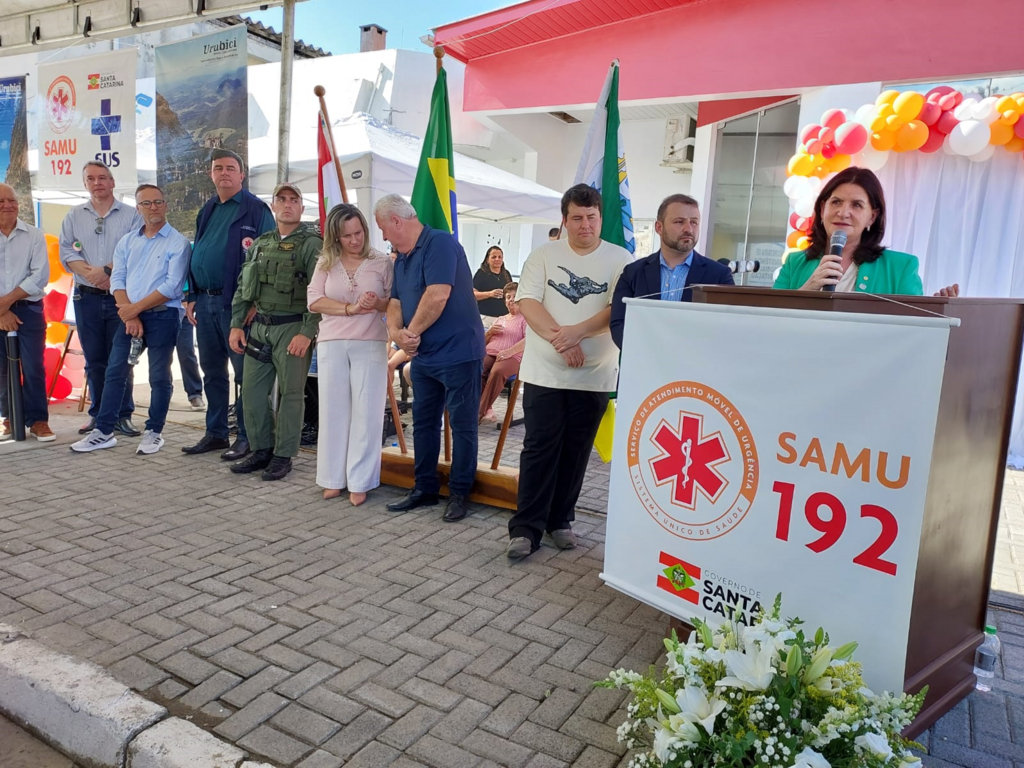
[(151, 442), (94, 441), (197, 403)]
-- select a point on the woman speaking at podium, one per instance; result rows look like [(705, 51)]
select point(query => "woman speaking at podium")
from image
[(852, 204)]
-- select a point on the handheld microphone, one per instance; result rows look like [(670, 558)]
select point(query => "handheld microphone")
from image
[(835, 248)]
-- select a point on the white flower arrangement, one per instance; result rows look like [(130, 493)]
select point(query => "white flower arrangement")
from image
[(763, 696)]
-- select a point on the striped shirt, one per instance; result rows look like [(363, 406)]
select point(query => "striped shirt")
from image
[(512, 332), (79, 240), (673, 280), (23, 262)]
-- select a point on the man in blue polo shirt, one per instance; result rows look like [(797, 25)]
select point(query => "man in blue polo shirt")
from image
[(433, 317), (225, 228)]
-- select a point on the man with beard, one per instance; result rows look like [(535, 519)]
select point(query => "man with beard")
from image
[(668, 274)]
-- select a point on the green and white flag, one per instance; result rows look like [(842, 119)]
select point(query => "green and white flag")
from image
[(603, 165)]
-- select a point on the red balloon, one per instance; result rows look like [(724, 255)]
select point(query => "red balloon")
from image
[(51, 357), (828, 151), (62, 389), (930, 113), (833, 118), (946, 123), (808, 132), (804, 225), (825, 135), (934, 142), (54, 304), (814, 147), (937, 93), (950, 101), (1018, 128), (850, 138), (794, 219)]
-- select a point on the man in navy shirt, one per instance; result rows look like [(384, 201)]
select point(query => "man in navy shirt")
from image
[(433, 317)]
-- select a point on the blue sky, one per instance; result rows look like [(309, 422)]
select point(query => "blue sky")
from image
[(334, 24)]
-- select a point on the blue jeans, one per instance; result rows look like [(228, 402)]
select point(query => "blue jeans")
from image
[(160, 332), (458, 388), (32, 340), (97, 322), (213, 326), (188, 362)]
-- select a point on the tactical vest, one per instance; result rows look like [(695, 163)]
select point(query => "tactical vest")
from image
[(272, 277)]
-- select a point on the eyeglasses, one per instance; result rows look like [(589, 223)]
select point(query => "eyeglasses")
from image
[(99, 225), (153, 203)]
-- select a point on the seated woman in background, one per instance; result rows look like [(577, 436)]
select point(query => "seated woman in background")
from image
[(506, 339), (853, 202), (488, 283)]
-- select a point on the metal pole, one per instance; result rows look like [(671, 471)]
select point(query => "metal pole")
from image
[(13, 384), (285, 111), (750, 199)]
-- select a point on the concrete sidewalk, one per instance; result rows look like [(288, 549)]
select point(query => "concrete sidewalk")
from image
[(315, 634)]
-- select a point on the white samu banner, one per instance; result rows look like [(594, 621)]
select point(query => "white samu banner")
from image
[(760, 451), (88, 114)]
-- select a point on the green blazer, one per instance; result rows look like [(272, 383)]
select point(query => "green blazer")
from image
[(893, 272)]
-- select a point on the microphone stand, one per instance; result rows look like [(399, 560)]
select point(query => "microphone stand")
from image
[(13, 384)]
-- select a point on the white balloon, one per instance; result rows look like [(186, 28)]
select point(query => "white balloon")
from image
[(969, 137), (865, 115), (984, 155), (805, 206), (985, 112), (814, 185), (966, 110), (947, 147), (870, 158), (796, 187)]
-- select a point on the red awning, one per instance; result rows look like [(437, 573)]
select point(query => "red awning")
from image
[(536, 21)]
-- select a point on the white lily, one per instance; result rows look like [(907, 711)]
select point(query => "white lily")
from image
[(910, 761), (683, 728), (752, 670), (811, 759), (828, 685), (695, 707), (819, 663), (875, 743), (664, 741)]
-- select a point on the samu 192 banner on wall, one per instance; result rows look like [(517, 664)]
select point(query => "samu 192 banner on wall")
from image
[(202, 104), (14, 144), (88, 114), (764, 451)]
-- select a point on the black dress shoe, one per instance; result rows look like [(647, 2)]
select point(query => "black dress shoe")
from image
[(278, 468), (88, 427), (207, 444), (415, 498), (126, 428), (456, 509), (238, 450), (257, 460)]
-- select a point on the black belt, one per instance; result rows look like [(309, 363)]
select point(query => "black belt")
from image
[(210, 291), (25, 303), (90, 289), (277, 319)]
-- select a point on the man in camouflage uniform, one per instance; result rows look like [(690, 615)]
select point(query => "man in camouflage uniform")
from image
[(273, 284)]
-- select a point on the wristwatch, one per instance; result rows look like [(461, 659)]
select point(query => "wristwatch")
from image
[(108, 271)]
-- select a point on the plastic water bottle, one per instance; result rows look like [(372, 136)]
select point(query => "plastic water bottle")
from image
[(985, 660), (136, 351)]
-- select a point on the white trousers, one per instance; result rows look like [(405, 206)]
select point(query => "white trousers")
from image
[(352, 379)]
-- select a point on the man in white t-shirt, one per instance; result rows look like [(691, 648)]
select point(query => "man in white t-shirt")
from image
[(569, 367)]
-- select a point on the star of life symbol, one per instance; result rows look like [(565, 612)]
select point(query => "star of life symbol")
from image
[(684, 449), (60, 104)]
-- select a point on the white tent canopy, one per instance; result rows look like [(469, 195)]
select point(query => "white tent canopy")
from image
[(380, 159)]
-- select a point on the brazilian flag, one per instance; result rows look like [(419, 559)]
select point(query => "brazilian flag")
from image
[(433, 193)]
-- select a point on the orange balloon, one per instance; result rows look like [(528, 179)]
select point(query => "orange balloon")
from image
[(1001, 133), (883, 141), (839, 163), (886, 110), (894, 122), (1016, 144), (1010, 116), (911, 136), (1005, 103), (821, 171), (56, 333), (53, 256), (793, 237), (800, 164)]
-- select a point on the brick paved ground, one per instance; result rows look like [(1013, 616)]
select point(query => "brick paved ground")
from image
[(315, 634)]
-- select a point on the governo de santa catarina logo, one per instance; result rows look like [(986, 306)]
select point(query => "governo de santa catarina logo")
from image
[(692, 460)]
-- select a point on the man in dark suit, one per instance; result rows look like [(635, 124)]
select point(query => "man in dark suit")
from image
[(669, 273)]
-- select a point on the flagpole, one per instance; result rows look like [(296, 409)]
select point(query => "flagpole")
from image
[(320, 91), (439, 55)]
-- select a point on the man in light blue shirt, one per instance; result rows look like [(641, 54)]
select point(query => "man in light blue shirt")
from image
[(149, 272), (87, 239), (24, 272)]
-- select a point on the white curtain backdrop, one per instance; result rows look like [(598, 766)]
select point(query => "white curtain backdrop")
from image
[(965, 222)]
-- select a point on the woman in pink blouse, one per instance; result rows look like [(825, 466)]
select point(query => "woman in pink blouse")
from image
[(505, 339), (350, 288)]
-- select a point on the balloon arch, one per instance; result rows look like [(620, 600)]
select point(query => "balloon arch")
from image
[(55, 303), (897, 122)]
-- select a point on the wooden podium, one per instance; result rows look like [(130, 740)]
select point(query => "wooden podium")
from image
[(965, 484)]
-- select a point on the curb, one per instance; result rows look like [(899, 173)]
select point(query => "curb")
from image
[(81, 710)]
